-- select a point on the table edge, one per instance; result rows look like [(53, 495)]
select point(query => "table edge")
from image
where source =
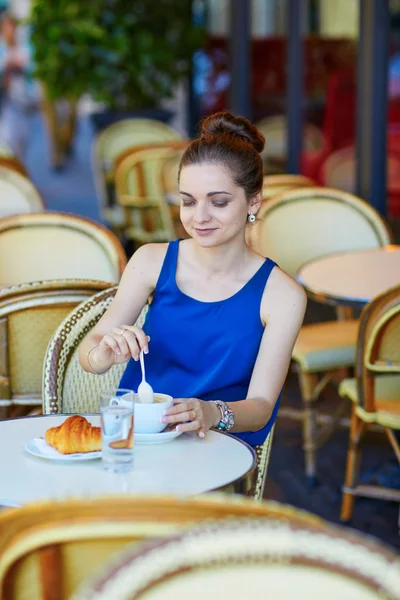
[(332, 299), (9, 503)]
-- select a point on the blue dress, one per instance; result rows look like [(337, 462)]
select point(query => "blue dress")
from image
[(204, 350)]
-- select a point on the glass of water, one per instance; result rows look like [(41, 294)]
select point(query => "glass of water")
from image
[(117, 419)]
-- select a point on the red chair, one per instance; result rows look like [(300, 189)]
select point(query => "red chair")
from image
[(339, 126), (339, 171), (339, 121)]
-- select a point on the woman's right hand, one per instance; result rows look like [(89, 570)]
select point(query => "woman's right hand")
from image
[(121, 344)]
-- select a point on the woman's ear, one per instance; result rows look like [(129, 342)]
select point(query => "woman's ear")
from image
[(255, 202)]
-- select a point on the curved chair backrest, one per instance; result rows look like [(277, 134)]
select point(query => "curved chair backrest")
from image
[(378, 351), (180, 144), (17, 193), (29, 315), (305, 223), (117, 138), (13, 163), (273, 185), (278, 559), (54, 245), (140, 183), (53, 542), (274, 130), (67, 388), (170, 176), (339, 170)]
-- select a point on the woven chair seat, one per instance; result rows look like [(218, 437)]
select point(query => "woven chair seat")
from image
[(326, 346)]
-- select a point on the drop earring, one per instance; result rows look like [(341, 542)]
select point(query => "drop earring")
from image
[(251, 218)]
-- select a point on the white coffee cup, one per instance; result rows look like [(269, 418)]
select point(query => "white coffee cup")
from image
[(148, 416)]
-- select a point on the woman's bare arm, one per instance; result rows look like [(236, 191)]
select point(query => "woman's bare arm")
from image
[(138, 281), (282, 310)]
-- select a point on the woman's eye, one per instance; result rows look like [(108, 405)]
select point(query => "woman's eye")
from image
[(220, 203), (187, 202)]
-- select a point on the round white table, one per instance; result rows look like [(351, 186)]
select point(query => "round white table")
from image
[(351, 278), (184, 466)]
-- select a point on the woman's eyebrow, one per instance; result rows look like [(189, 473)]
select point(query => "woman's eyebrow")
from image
[(209, 193)]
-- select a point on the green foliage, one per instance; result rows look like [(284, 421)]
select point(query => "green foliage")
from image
[(126, 53)]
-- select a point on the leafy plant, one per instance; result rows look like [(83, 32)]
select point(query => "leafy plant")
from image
[(126, 53)]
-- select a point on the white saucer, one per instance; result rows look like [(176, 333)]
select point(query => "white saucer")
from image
[(156, 438), (38, 447)]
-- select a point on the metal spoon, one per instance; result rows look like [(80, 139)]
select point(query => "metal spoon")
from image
[(145, 391)]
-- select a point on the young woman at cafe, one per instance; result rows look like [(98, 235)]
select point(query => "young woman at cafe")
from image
[(223, 321)]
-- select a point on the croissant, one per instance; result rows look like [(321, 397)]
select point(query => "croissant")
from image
[(76, 434)]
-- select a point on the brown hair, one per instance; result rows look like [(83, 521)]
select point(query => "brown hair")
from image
[(232, 142)]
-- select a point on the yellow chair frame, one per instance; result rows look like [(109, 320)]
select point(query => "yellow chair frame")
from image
[(371, 392), (29, 315)]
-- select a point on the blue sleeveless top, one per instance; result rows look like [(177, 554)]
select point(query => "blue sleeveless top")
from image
[(204, 350)]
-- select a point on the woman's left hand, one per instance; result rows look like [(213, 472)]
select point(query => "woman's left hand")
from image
[(192, 415)]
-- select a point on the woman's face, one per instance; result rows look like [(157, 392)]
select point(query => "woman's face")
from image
[(214, 209)]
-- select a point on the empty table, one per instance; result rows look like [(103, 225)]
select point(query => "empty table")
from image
[(351, 278)]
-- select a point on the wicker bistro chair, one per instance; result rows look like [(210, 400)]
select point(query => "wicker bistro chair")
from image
[(52, 548), (274, 128), (29, 315), (141, 192), (296, 227), (339, 170), (17, 193), (374, 392), (113, 141), (273, 559), (67, 388), (144, 177), (273, 185), (54, 245), (14, 164)]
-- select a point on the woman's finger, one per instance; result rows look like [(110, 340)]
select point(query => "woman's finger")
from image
[(141, 337), (192, 426), (122, 343), (180, 405), (133, 345), (187, 415), (109, 341)]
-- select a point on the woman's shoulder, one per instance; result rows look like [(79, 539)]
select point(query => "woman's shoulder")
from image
[(148, 261), (282, 294)]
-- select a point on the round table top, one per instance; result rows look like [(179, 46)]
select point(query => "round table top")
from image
[(184, 466), (351, 278)]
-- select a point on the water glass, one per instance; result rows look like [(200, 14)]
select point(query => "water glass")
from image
[(117, 422)]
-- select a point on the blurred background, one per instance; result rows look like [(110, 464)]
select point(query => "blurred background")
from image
[(88, 65), (98, 100)]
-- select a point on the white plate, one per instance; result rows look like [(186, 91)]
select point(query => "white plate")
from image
[(156, 438), (41, 449)]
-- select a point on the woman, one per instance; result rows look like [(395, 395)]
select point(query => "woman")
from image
[(18, 90), (223, 320)]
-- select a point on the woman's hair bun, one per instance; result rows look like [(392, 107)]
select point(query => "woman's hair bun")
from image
[(227, 124)]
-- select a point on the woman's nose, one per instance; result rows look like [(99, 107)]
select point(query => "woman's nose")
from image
[(202, 212)]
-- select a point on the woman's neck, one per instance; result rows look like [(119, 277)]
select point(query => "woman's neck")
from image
[(224, 258)]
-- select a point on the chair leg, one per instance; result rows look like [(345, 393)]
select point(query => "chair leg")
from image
[(352, 466), (308, 383)]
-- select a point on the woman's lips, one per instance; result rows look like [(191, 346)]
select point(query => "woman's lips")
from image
[(204, 232)]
